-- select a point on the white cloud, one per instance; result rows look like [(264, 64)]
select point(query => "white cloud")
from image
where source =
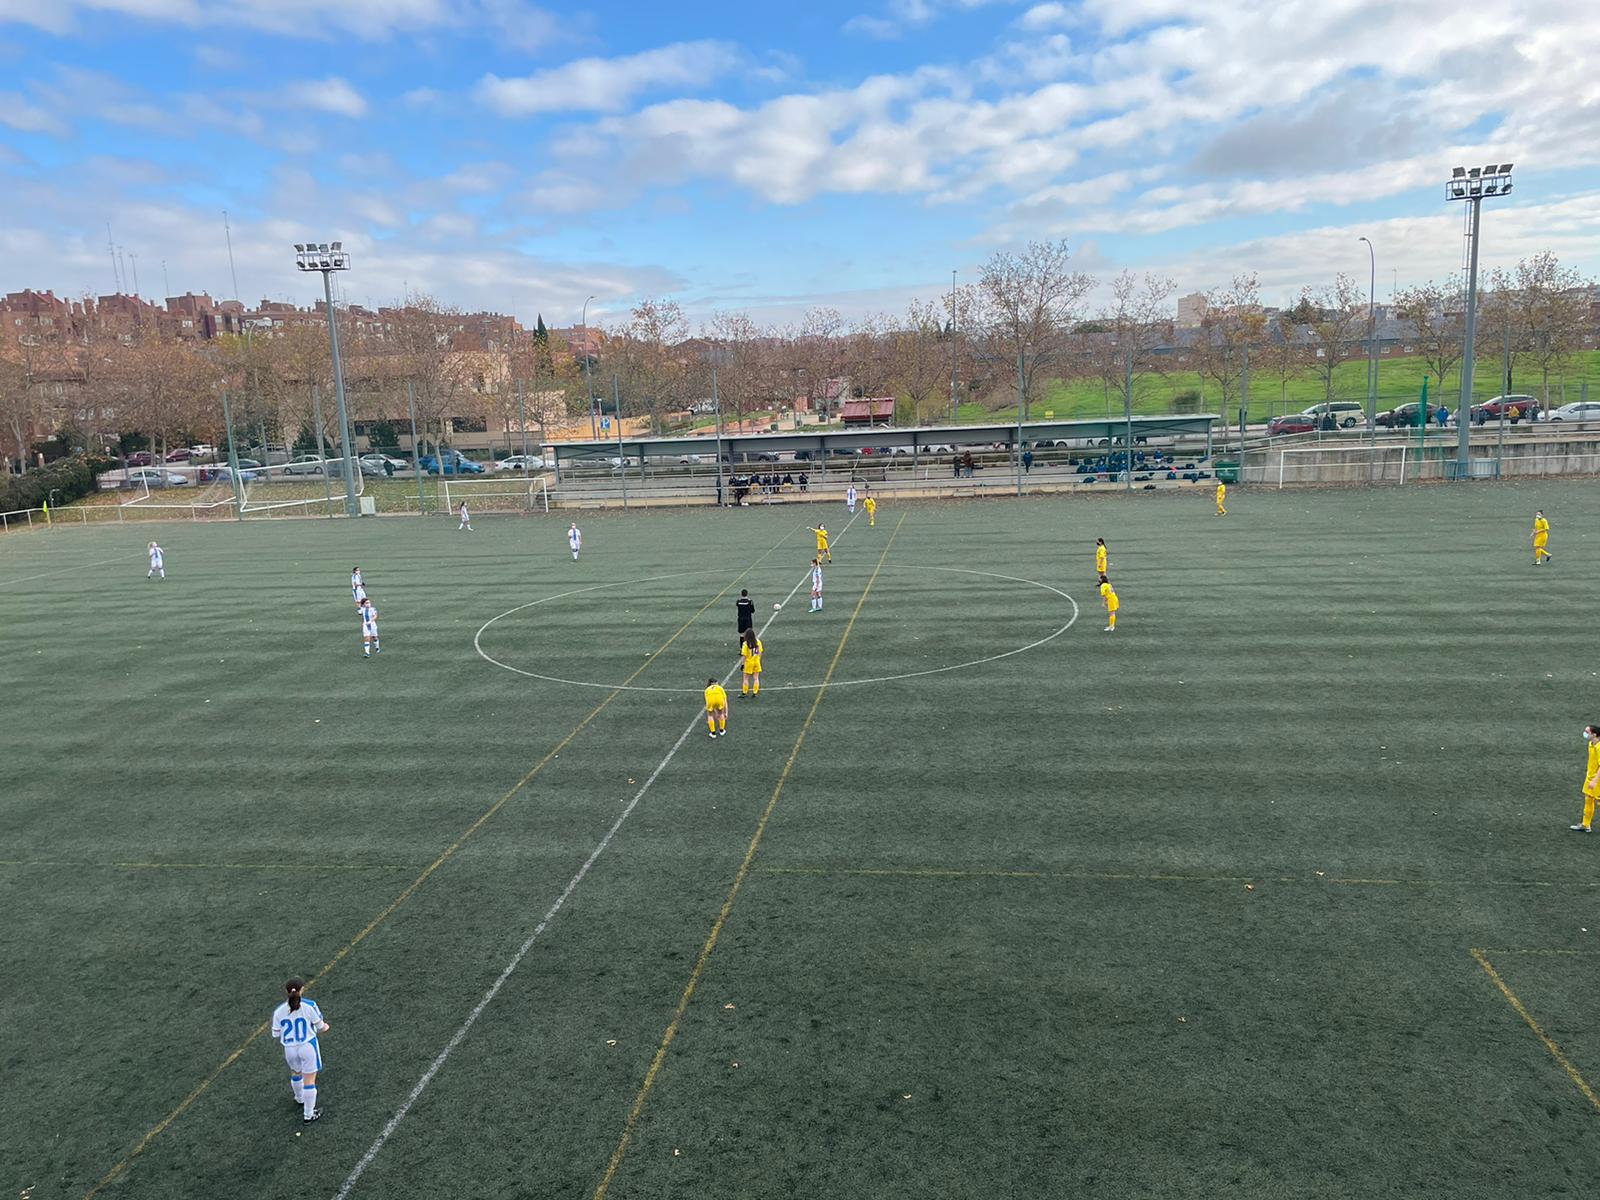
[(515, 22), (1044, 16), (16, 112), (331, 95), (608, 84), (899, 16)]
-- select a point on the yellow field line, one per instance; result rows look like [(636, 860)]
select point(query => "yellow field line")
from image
[(1549, 1042), (189, 866), (733, 892), (1533, 950), (416, 883)]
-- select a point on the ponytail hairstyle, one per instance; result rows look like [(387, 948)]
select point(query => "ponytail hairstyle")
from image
[(293, 988)]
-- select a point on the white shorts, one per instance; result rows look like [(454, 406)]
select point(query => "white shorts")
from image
[(369, 632), (303, 1057)]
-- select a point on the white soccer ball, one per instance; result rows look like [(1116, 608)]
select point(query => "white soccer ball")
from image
[(776, 607)]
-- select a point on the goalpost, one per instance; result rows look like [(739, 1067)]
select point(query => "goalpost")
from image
[(489, 496), (288, 491), (1384, 463)]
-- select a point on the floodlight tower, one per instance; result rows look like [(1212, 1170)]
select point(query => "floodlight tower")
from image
[(327, 258), (1473, 185)]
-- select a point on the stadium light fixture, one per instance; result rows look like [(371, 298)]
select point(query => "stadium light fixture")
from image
[(319, 257), (1472, 185)]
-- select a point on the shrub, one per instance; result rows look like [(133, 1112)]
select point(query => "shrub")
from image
[(68, 477), (1186, 401)]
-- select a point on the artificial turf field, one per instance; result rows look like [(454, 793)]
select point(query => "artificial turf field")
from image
[(1187, 910)]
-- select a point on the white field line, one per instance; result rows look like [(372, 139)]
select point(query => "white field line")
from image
[(68, 570), (522, 952)]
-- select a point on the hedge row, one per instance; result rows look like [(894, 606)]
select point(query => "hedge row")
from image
[(69, 478)]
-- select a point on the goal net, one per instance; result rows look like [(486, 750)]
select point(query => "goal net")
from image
[(511, 494)]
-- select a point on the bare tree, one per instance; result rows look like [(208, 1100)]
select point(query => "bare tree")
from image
[(1231, 336), (1284, 357), (1030, 301), (817, 354), (18, 406), (1436, 313), (742, 354), (419, 340), (1121, 348), (1337, 321), (1545, 306), (919, 358), (646, 357)]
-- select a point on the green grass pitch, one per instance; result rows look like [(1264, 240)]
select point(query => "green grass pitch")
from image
[(1184, 910)]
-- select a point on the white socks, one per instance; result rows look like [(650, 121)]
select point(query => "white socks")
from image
[(294, 1086), (308, 1100)]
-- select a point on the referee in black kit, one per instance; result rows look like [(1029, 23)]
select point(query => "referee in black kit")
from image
[(747, 612)]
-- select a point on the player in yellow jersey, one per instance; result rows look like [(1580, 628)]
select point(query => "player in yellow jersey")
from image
[(716, 709), (1222, 494), (823, 552), (1109, 595), (750, 652), (1591, 777), (871, 505), (1541, 538), (1099, 556)]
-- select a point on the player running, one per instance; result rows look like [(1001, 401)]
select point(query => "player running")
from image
[(816, 585), (1109, 595), (1541, 538), (466, 519), (157, 560), (369, 628), (716, 709), (1591, 778), (850, 499), (575, 540), (358, 589), (1100, 554), (821, 531), (1222, 494), (750, 652), (296, 1023), (871, 505)]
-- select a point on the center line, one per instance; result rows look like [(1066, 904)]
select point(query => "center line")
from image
[(733, 892), (566, 893)]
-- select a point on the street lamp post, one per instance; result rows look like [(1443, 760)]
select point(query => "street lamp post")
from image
[(326, 258), (588, 379), (1372, 338), (1472, 186)]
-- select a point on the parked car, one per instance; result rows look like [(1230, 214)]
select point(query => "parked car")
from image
[(182, 454), (1291, 423), (249, 463), (224, 474), (1347, 414), (141, 458), (203, 450), (1580, 410), (454, 464), (305, 464), (1404, 416), (399, 464), (154, 477), (517, 461), (1515, 407)]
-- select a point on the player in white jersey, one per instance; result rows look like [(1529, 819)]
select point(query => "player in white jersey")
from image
[(156, 561), (850, 498), (358, 589), (369, 628), (296, 1023), (816, 585), (575, 540), (466, 519)]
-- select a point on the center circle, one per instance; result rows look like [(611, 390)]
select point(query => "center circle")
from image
[(477, 638)]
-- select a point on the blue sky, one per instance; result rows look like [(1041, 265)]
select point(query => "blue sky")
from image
[(503, 155)]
